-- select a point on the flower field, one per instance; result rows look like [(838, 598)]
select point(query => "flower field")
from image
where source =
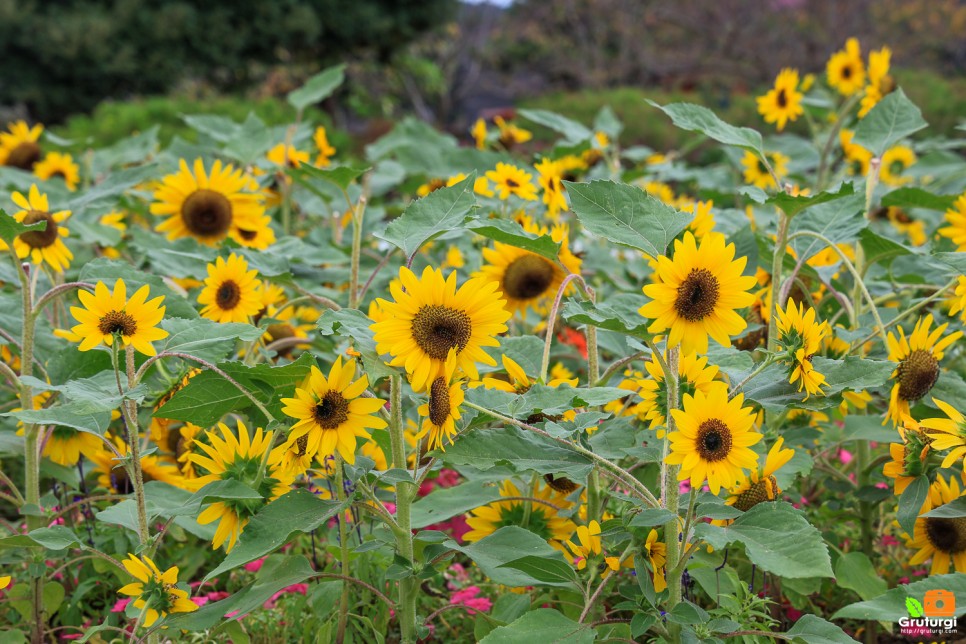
[(255, 388)]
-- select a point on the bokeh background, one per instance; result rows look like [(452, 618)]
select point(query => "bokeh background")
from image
[(98, 70)]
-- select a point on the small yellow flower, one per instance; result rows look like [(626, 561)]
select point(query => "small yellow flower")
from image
[(326, 151), (846, 72), (783, 103), (231, 292), (107, 314), (41, 245), (60, 165), (156, 592), (509, 179)]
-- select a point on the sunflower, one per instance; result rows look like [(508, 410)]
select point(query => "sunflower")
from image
[(60, 165), (756, 172), (287, 155), (846, 72), (908, 457), (326, 151), (332, 412), (519, 382), (760, 485), (703, 223), (181, 443), (112, 476), (106, 315), (479, 133), (857, 158), (19, 147), (40, 245), (431, 317), (894, 162), (257, 234), (783, 103), (545, 516), (713, 438), (947, 433), (695, 374), (208, 207), (526, 279), (510, 134), (956, 217), (240, 459), (65, 445), (696, 294), (442, 410), (940, 539), (918, 370), (915, 229), (553, 190), (509, 179), (657, 554), (231, 292), (959, 299), (800, 338), (588, 537), (157, 592), (880, 83), (4, 582)]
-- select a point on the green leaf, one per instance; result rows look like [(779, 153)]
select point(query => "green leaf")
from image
[(772, 390), (626, 215), (910, 503), (879, 249), (918, 198), (618, 313), (340, 175), (542, 625), (854, 571), (891, 605), (354, 324), (519, 450), (572, 131), (10, 228), (55, 537), (211, 341), (252, 140), (811, 629), (651, 517), (318, 88), (840, 221), (893, 118), (512, 233), (777, 538), (687, 613), (550, 571), (952, 510), (445, 503), (109, 271), (106, 193), (89, 416), (957, 261), (794, 205), (696, 118), (439, 211), (275, 524), (506, 544)]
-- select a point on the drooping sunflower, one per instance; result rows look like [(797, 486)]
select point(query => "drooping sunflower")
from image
[(432, 316), (208, 207), (703, 222), (857, 158), (800, 338), (549, 179), (756, 172), (332, 412), (526, 279), (959, 299), (545, 518), (656, 554), (956, 217), (442, 410), (880, 82), (760, 485), (695, 374), (909, 457), (231, 292), (940, 539), (696, 294), (106, 315), (60, 165), (510, 134), (519, 382), (947, 433), (19, 147), (918, 357), (157, 592), (238, 458), (326, 151), (509, 179), (782, 103), (845, 69), (713, 438), (258, 234), (894, 162), (588, 544), (64, 445), (41, 245)]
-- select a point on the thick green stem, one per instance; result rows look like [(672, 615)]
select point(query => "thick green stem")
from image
[(671, 494), (130, 410), (776, 278), (358, 214), (343, 551), (404, 497)]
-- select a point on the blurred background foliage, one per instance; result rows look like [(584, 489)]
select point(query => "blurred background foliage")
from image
[(103, 69)]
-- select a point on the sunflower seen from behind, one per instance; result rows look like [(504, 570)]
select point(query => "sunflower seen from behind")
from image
[(231, 292), (782, 103), (432, 316), (697, 293), (107, 315), (45, 245), (800, 338), (64, 445), (157, 593), (910, 457), (713, 439)]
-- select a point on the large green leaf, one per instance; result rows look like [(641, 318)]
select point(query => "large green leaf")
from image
[(910, 197), (812, 629), (910, 503), (445, 503), (772, 390), (572, 131), (512, 233), (518, 449), (891, 606), (879, 249), (854, 571), (839, 221), (626, 215), (777, 538), (507, 544), (211, 341), (318, 88), (792, 205), (952, 510), (10, 228), (354, 324), (548, 571), (109, 271), (340, 175), (618, 313), (696, 118), (542, 625), (893, 118)]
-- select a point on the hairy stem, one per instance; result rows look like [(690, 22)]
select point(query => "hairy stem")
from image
[(404, 497)]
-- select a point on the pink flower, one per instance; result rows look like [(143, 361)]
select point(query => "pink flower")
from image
[(216, 595), (889, 540), (468, 597), (120, 605), (792, 614), (200, 601), (254, 566), (294, 588), (845, 456), (447, 478)]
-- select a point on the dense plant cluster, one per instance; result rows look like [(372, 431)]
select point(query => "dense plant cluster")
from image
[(256, 390)]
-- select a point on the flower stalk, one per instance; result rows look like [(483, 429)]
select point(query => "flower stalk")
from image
[(404, 497)]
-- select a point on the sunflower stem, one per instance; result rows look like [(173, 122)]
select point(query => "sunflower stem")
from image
[(671, 494), (343, 551), (551, 322), (404, 496), (129, 409), (781, 241), (592, 602), (767, 362), (358, 213)]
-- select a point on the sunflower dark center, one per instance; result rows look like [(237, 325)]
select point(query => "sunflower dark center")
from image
[(782, 98), (117, 322), (896, 167), (697, 295), (331, 411), (436, 184), (764, 490), (714, 440), (39, 238), (947, 535), (228, 295), (528, 277), (437, 329), (439, 406), (302, 445), (917, 374), (512, 183), (247, 235), (847, 72), (24, 156), (175, 443), (207, 213)]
